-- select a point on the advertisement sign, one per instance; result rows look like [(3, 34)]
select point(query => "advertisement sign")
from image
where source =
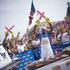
[(4, 57)]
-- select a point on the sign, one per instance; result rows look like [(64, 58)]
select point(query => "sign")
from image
[(4, 57), (9, 29)]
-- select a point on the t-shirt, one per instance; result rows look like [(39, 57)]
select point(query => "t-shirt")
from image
[(35, 42)]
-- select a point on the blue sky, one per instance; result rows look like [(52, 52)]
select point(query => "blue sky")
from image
[(16, 12)]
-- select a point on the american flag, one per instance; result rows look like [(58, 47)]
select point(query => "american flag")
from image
[(31, 13)]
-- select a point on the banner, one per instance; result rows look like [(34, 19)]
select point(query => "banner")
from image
[(4, 57)]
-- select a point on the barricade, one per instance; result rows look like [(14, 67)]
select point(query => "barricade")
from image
[(60, 47), (37, 53), (25, 58)]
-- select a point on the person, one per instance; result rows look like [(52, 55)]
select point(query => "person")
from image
[(6, 41), (64, 33), (46, 50), (17, 39), (9, 44)]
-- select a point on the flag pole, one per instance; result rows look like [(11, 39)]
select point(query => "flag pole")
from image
[(30, 16)]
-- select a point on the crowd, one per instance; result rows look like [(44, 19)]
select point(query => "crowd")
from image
[(57, 34)]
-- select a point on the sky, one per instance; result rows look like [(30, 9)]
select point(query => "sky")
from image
[(16, 12)]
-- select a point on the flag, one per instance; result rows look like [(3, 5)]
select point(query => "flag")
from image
[(31, 13), (68, 9)]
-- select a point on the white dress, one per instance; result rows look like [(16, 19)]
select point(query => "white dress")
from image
[(46, 50)]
